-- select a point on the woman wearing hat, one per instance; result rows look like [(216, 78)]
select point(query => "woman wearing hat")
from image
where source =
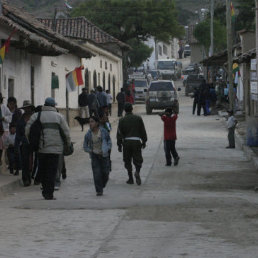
[(5, 119)]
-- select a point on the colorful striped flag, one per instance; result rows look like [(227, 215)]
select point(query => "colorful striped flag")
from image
[(4, 49), (74, 79), (233, 13)]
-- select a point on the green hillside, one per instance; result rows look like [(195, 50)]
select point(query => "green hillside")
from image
[(45, 8)]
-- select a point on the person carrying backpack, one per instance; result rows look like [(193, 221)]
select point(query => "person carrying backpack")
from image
[(54, 135)]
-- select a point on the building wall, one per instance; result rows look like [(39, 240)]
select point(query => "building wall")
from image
[(60, 65), (171, 51), (247, 41), (197, 53), (16, 70), (105, 64)]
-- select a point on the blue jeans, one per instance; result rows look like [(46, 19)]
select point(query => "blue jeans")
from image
[(100, 169)]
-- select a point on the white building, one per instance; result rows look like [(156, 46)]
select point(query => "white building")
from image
[(35, 55), (106, 67), (161, 50)]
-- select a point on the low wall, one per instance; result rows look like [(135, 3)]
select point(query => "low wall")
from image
[(73, 112)]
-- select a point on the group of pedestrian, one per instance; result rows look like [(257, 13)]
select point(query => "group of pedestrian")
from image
[(41, 164), (131, 139), (204, 97), (96, 103), (46, 163)]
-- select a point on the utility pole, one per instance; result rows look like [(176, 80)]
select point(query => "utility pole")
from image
[(256, 17), (212, 28), (230, 48), (1, 8)]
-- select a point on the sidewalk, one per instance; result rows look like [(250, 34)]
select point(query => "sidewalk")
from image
[(240, 133), (8, 182)]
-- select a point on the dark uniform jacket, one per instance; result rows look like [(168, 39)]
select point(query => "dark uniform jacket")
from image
[(131, 126), (120, 97), (83, 100)]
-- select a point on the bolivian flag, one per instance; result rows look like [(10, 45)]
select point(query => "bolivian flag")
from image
[(233, 13), (74, 79), (4, 49)]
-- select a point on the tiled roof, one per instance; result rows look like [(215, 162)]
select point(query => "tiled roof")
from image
[(39, 37), (81, 28)]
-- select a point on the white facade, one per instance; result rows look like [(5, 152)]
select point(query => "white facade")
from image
[(161, 50), (28, 77), (60, 65), (105, 65)]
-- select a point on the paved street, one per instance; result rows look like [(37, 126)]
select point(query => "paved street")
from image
[(205, 207)]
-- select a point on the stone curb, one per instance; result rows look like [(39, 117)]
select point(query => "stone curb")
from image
[(241, 143)]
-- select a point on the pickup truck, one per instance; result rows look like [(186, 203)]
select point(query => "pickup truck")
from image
[(193, 81)]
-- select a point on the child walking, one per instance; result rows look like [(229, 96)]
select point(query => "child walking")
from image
[(97, 143), (170, 136)]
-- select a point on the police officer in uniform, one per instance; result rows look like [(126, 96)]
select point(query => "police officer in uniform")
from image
[(131, 139)]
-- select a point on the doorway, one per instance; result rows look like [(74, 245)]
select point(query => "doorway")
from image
[(10, 87)]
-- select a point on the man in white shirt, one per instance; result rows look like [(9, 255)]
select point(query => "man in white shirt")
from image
[(231, 125)]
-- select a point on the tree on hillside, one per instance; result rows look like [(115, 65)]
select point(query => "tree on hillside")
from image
[(246, 14), (133, 21), (202, 34)]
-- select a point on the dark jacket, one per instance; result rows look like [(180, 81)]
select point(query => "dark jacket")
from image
[(92, 101), (102, 99), (83, 100), (20, 138), (120, 98), (17, 114), (131, 126)]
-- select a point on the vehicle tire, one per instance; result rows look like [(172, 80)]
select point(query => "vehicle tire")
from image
[(148, 110), (186, 93)]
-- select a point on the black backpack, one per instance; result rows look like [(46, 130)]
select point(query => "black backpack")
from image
[(35, 133)]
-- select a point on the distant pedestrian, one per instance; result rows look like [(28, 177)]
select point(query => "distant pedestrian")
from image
[(22, 144), (93, 103), (83, 104), (195, 99), (97, 143), (170, 136), (231, 125), (109, 102), (9, 144), (129, 97), (202, 99), (120, 102), (131, 139), (102, 100), (55, 134)]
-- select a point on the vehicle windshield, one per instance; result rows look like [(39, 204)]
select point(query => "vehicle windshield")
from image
[(153, 73), (187, 47), (161, 86), (195, 77), (140, 83), (166, 65), (188, 71)]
